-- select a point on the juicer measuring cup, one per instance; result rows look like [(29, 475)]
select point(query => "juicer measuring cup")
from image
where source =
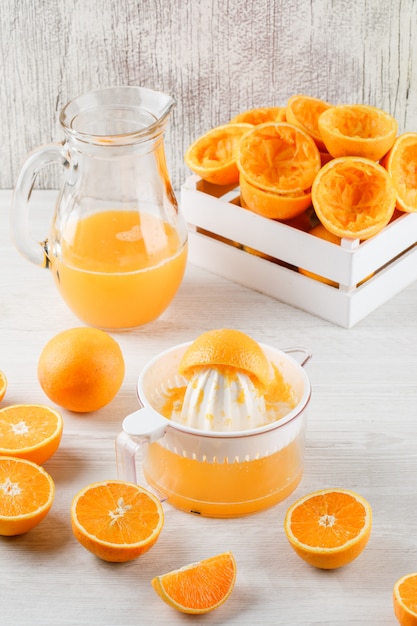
[(214, 473), (117, 243)]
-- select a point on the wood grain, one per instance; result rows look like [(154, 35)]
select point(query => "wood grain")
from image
[(216, 57)]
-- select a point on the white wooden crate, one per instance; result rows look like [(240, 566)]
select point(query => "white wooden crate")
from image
[(213, 212)]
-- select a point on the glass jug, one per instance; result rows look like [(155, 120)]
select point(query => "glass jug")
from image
[(117, 244)]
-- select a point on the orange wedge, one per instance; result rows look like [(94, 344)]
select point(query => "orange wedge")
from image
[(304, 112), (3, 385), (357, 130), (401, 163), (26, 495), (226, 347), (278, 157), (213, 155), (272, 205), (260, 116), (115, 520), (329, 528), (199, 587), (353, 197), (405, 600), (30, 431)]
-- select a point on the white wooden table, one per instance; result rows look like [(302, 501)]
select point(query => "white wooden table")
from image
[(362, 434)]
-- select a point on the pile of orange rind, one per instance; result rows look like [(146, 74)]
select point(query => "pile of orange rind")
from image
[(346, 164)]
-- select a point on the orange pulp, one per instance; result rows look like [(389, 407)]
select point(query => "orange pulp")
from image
[(119, 268)]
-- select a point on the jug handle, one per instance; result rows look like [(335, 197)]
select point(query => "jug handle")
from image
[(36, 160), (146, 426), (306, 354)]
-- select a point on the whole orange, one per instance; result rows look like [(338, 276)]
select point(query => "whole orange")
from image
[(81, 369)]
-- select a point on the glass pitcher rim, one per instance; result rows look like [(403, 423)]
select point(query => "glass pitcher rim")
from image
[(135, 97)]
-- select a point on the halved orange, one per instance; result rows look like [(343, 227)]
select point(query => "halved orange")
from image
[(26, 495), (329, 528), (405, 600), (115, 520), (3, 385), (260, 115), (226, 347), (278, 157), (353, 197), (199, 587), (30, 431), (213, 155), (304, 112), (273, 205), (357, 130), (401, 164)]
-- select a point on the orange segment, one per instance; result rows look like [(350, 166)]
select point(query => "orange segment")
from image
[(213, 155), (278, 157), (329, 528), (229, 348), (272, 205), (26, 495), (260, 116), (81, 369), (357, 130), (115, 520), (405, 600), (353, 197), (30, 431), (304, 112), (401, 163), (199, 587), (3, 385)]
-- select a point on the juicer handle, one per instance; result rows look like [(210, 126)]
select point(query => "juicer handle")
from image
[(36, 160), (306, 354), (139, 428)]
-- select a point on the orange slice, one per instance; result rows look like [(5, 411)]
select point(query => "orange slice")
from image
[(115, 520), (357, 130), (260, 116), (278, 157), (401, 163), (199, 587), (304, 112), (329, 528), (272, 205), (405, 600), (353, 197), (3, 385), (26, 495), (213, 155), (30, 431), (226, 347)]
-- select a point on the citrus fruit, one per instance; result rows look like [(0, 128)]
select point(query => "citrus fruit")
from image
[(272, 205), (226, 347), (30, 431), (278, 157), (329, 528), (198, 587), (401, 164), (213, 155), (260, 116), (115, 520), (81, 369), (357, 130), (323, 233), (353, 197), (304, 111), (3, 385), (26, 495), (405, 600)]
